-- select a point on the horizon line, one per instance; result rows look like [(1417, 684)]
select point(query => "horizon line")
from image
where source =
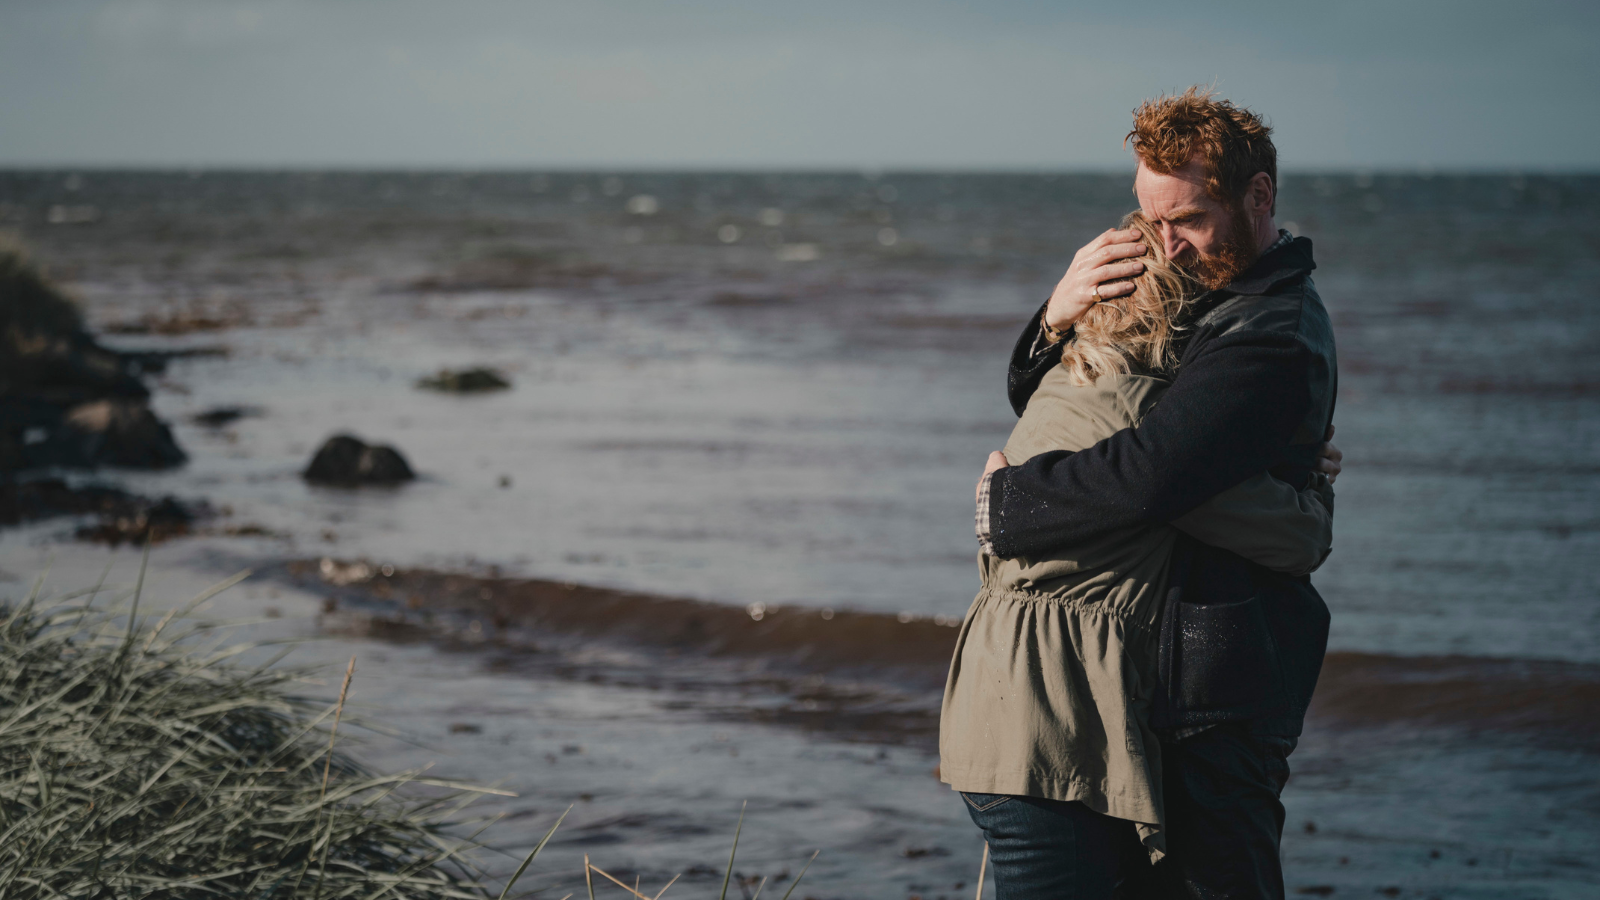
[(867, 171)]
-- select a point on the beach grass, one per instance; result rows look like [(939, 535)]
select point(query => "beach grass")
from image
[(141, 759)]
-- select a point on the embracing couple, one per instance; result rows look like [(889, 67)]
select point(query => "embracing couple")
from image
[(1132, 677)]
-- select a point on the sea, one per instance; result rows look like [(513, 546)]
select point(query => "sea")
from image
[(771, 390)]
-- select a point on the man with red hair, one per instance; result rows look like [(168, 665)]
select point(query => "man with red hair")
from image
[(1241, 646)]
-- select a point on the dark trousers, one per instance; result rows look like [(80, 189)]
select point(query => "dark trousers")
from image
[(1053, 850), (1224, 822)]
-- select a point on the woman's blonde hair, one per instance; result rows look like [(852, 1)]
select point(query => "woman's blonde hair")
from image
[(1116, 334)]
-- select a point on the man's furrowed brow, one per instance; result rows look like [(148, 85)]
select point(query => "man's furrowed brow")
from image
[(1180, 215)]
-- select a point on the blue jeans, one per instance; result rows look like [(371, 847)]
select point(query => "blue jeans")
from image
[(1054, 850), (1224, 821)]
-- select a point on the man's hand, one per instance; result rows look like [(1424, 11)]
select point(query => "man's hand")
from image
[(997, 460), (1098, 265), (1330, 461)]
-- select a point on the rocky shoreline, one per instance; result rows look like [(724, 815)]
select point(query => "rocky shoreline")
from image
[(69, 403), (66, 400)]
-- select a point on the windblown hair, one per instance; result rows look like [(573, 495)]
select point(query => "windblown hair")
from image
[(1137, 330), (1233, 143)]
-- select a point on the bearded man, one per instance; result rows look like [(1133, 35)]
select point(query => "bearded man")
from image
[(1241, 646)]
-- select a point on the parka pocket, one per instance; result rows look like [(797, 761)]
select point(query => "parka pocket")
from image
[(1227, 661)]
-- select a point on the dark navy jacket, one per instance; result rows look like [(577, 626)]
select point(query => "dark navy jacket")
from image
[(1254, 391)]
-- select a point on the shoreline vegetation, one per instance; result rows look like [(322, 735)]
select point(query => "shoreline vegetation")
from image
[(141, 758)]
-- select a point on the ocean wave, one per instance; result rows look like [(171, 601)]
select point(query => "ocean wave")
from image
[(897, 663)]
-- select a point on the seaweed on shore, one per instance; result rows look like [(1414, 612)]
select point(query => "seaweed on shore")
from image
[(465, 381)]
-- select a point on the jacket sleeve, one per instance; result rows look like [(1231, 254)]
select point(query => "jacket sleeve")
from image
[(1031, 359), (1230, 413), (1267, 522)]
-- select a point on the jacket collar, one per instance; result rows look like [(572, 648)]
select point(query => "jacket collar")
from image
[(1286, 263)]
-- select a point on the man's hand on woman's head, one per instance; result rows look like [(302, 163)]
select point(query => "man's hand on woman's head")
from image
[(997, 460), (1331, 459), (1098, 265)]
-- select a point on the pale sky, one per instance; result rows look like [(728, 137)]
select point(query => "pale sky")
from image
[(994, 84)]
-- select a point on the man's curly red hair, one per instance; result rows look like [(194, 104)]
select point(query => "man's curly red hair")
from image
[(1232, 142)]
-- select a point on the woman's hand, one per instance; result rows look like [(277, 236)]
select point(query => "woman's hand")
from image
[(1330, 463), (997, 460), (1098, 263)]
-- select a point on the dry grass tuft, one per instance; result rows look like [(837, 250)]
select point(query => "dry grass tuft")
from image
[(141, 760)]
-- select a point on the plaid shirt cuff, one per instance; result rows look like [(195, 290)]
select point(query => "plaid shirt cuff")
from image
[(982, 523)]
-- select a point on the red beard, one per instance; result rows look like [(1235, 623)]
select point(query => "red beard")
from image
[(1236, 255)]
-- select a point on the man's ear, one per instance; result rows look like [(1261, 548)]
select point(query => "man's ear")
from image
[(1260, 196)]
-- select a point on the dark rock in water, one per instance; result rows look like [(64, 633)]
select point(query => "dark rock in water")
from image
[(116, 432), (337, 461), (222, 415), (156, 522), (124, 517), (465, 381), (348, 461), (385, 465)]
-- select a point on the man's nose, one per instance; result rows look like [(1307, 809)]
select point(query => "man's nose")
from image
[(1170, 238)]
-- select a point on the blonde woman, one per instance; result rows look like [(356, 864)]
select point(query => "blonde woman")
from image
[(1046, 720)]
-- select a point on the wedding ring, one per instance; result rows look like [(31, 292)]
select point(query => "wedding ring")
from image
[(1095, 293)]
